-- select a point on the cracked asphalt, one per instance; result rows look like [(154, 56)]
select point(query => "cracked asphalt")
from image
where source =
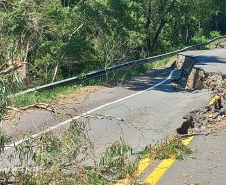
[(144, 118), (207, 165)]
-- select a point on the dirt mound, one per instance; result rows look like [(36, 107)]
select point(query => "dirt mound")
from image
[(211, 117), (220, 46)]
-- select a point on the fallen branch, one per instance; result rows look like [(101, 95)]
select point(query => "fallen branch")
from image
[(187, 183), (14, 67), (37, 105)]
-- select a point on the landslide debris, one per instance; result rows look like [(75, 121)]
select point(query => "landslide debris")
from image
[(213, 116), (185, 65), (220, 46)]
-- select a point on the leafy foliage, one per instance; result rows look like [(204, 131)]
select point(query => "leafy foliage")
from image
[(57, 158), (169, 148), (4, 138), (62, 38)]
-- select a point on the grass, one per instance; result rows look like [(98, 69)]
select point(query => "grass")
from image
[(41, 97), (170, 147), (211, 45)]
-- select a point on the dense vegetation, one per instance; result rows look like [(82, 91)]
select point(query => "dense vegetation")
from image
[(56, 39)]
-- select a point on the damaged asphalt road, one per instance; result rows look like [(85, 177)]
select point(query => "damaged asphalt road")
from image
[(163, 110), (206, 166), (147, 110), (205, 71)]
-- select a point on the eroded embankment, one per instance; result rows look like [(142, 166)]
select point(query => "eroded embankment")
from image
[(211, 117)]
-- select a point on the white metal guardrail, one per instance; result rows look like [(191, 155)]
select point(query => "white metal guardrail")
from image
[(102, 72)]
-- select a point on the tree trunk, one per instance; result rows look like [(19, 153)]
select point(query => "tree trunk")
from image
[(148, 37), (154, 42), (148, 28), (186, 29), (175, 33)]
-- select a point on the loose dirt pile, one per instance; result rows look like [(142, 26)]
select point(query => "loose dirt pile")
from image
[(220, 46), (212, 117)]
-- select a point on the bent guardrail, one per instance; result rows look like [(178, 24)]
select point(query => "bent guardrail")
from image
[(123, 66)]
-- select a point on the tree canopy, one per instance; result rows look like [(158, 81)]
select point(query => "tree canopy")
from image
[(57, 39)]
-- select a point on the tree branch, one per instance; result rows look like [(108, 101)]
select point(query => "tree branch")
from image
[(14, 67)]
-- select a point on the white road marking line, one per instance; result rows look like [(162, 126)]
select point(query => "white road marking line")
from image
[(204, 53), (88, 112), (93, 110)]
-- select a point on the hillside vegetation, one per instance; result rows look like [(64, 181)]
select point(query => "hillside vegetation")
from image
[(57, 39)]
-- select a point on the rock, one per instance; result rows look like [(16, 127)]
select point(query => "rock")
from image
[(204, 122), (222, 111), (199, 119), (219, 118), (216, 115)]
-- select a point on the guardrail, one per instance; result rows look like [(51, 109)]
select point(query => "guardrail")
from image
[(102, 72)]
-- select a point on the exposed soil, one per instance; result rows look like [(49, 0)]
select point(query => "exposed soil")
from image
[(213, 116), (220, 46), (75, 97)]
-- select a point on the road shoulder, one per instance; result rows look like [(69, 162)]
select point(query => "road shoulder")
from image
[(205, 166)]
